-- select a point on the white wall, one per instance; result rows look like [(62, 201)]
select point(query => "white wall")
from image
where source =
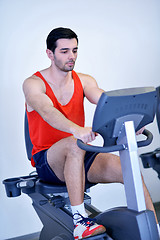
[(119, 46)]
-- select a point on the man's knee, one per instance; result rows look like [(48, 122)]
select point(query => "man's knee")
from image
[(72, 147)]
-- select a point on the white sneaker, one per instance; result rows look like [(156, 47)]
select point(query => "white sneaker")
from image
[(86, 227)]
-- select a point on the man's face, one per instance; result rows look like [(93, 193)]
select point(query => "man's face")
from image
[(65, 54)]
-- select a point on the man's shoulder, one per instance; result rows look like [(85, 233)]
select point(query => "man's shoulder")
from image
[(33, 78), (84, 76), (86, 79), (33, 82)]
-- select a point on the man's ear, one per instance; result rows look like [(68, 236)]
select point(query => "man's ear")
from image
[(49, 54)]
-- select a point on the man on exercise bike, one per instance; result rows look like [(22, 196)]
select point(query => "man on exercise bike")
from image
[(55, 111)]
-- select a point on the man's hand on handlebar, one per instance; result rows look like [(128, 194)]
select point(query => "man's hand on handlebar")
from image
[(85, 134), (140, 131)]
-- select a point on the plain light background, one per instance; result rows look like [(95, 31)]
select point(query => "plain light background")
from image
[(119, 44)]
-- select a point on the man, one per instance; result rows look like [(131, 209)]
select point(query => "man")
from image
[(54, 105)]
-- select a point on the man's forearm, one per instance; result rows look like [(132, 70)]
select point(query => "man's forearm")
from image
[(57, 120)]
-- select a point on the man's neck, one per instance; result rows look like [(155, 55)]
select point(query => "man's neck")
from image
[(57, 77)]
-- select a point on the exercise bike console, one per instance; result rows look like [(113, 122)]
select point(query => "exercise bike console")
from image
[(116, 107)]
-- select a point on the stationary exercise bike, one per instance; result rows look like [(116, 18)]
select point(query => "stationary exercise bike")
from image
[(118, 115)]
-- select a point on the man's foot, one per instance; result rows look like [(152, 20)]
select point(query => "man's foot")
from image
[(86, 227)]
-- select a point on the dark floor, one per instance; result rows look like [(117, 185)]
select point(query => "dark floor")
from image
[(35, 236)]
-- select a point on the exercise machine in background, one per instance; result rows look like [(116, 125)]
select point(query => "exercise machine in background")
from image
[(152, 159)]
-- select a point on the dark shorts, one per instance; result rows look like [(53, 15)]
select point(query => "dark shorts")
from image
[(46, 174)]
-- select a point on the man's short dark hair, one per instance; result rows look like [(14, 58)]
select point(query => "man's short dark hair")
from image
[(59, 33)]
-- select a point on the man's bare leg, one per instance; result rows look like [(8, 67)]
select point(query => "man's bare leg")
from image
[(148, 200), (106, 168), (67, 162)]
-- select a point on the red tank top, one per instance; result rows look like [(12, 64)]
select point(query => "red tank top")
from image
[(42, 135)]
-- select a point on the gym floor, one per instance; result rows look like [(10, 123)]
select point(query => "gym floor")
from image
[(35, 236)]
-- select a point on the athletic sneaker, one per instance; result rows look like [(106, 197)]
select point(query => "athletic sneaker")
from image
[(86, 227)]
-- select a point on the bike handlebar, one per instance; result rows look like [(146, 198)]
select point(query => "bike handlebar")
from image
[(115, 148)]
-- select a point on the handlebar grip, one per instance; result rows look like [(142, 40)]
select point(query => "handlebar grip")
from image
[(147, 141), (92, 148), (115, 148)]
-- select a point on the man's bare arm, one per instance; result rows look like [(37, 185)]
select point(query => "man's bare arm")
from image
[(91, 90), (36, 99)]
